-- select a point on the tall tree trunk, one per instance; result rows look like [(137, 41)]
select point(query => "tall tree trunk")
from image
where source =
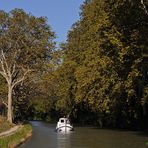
[(9, 112)]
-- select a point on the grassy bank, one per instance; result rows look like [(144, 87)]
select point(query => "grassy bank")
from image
[(17, 138), (4, 125)]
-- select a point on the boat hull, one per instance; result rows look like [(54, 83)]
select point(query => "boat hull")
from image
[(64, 129)]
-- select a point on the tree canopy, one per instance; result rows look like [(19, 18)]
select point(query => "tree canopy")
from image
[(99, 74), (104, 63)]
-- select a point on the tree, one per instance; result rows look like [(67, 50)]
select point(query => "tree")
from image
[(25, 44), (105, 48)]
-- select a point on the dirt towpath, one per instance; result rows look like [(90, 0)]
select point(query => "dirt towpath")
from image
[(10, 131)]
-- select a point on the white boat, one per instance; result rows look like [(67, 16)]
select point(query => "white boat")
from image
[(64, 125)]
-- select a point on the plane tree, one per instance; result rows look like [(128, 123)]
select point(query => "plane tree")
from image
[(26, 42)]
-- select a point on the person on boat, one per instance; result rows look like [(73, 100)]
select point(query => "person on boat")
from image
[(67, 121)]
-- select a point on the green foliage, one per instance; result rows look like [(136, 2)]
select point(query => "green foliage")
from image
[(27, 43), (27, 39), (103, 65), (100, 71), (66, 87)]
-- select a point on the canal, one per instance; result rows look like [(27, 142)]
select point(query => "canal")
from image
[(44, 136)]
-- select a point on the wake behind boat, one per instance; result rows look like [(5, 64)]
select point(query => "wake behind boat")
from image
[(64, 125)]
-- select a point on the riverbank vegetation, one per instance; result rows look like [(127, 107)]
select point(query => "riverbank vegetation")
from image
[(103, 77), (4, 124), (22, 134), (98, 76)]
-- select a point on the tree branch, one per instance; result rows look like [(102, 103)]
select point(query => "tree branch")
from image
[(13, 69), (21, 79), (4, 59), (3, 72), (2, 66), (144, 7), (4, 103)]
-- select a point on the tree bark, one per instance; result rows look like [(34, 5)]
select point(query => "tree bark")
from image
[(144, 7), (9, 112)]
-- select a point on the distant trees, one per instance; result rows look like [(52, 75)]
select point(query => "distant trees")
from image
[(25, 44)]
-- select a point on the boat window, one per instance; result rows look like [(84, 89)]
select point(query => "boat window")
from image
[(62, 121)]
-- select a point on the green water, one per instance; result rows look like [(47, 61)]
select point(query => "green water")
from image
[(44, 136)]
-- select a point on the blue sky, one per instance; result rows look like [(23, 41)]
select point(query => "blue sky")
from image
[(61, 14)]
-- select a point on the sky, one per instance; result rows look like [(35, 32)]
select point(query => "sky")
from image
[(61, 14)]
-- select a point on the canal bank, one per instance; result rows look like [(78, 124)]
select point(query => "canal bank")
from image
[(44, 136), (15, 136)]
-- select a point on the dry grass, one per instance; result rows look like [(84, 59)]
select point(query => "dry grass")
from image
[(4, 124)]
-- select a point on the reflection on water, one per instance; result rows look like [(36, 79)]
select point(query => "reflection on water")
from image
[(63, 140), (44, 136)]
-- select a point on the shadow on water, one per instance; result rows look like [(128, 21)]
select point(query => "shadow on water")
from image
[(143, 133)]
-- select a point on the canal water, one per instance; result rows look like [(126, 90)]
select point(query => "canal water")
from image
[(44, 136)]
